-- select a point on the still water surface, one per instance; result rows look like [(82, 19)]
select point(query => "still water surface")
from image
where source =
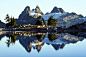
[(26, 44)]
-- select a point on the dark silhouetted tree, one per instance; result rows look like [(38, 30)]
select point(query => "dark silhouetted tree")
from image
[(38, 22), (52, 37), (10, 21), (52, 21)]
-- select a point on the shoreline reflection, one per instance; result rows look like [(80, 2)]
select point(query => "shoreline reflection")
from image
[(30, 40)]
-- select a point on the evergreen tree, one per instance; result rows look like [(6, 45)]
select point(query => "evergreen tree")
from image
[(10, 21), (13, 22), (7, 18), (52, 21), (39, 22)]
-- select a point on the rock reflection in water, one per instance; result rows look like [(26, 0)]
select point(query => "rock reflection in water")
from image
[(36, 41)]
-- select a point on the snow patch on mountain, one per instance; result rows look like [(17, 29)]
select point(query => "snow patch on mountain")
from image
[(32, 14), (54, 15)]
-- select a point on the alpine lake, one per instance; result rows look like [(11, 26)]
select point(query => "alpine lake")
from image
[(50, 44)]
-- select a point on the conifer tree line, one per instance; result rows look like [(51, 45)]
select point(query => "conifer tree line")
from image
[(10, 21)]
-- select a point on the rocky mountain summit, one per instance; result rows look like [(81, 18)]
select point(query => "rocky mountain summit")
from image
[(26, 18), (26, 12), (37, 10), (57, 10)]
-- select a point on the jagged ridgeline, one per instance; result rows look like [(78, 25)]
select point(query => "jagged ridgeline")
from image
[(57, 10), (29, 16)]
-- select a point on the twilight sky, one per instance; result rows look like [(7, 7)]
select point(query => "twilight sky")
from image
[(15, 7)]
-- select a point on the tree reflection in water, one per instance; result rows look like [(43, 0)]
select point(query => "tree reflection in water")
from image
[(52, 37), (11, 39), (39, 37)]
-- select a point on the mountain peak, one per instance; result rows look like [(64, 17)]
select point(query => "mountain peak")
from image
[(27, 8), (37, 7), (55, 7), (37, 10), (57, 10), (25, 12)]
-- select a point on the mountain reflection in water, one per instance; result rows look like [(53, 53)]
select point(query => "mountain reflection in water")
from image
[(36, 41)]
